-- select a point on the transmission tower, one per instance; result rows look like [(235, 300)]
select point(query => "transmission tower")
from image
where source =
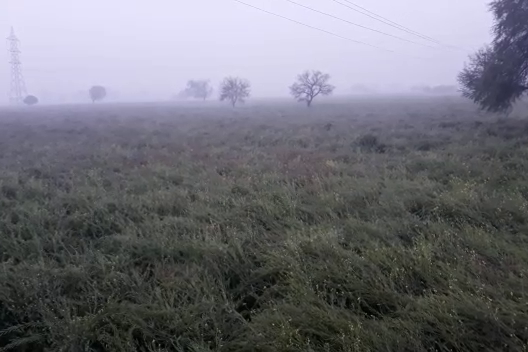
[(17, 91)]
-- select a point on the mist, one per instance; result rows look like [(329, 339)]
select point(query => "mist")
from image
[(148, 50)]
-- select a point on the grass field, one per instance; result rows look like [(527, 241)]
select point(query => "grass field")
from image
[(373, 225)]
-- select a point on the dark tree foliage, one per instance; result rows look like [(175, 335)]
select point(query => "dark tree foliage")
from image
[(235, 90), (497, 75), (198, 90), (97, 93), (30, 100), (511, 22), (309, 85)]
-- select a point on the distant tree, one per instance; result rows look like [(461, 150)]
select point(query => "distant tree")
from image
[(309, 85), (497, 75), (97, 93), (30, 100), (234, 89), (198, 89)]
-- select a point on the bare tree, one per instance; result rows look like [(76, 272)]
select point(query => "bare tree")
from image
[(311, 84), (198, 89), (235, 90)]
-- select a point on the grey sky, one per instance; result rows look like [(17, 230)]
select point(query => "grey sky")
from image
[(155, 46)]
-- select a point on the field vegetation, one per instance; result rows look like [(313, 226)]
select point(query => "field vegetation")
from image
[(370, 225)]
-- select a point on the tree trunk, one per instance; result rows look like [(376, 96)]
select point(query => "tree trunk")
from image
[(309, 102)]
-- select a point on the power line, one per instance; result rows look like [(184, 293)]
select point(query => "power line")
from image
[(312, 27), (386, 21), (394, 24), (357, 25), (330, 33)]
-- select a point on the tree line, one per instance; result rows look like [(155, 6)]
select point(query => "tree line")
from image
[(495, 77), (308, 86), (235, 90), (96, 93)]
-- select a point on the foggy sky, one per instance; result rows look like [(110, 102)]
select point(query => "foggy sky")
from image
[(137, 46)]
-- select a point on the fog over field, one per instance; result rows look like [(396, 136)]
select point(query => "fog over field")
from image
[(147, 50)]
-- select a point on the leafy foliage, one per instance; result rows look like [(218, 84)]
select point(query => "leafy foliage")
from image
[(310, 85), (234, 89), (510, 26), (497, 75), (97, 93), (30, 100), (200, 89)]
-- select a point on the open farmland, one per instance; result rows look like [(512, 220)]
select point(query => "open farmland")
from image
[(373, 225)]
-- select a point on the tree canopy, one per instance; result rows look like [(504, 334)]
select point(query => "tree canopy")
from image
[(497, 75), (309, 85), (235, 90), (97, 93), (30, 100), (197, 89)]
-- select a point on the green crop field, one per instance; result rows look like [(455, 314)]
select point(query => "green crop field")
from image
[(368, 225)]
